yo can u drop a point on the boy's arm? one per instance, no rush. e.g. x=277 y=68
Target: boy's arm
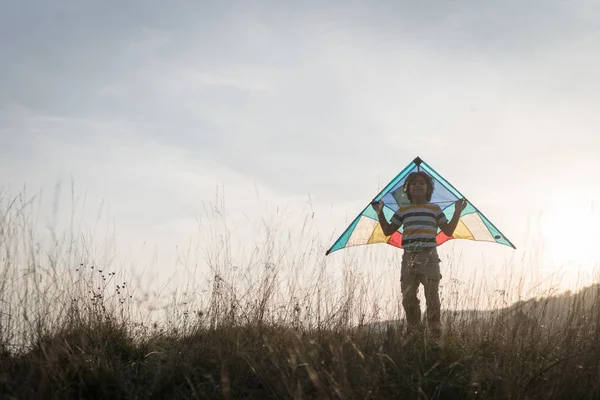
x=387 y=227
x=449 y=227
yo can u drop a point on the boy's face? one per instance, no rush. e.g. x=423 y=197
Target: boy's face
x=418 y=187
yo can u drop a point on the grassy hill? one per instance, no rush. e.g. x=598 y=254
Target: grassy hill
x=67 y=331
x=542 y=348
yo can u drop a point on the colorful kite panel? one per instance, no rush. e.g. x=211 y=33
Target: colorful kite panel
x=365 y=229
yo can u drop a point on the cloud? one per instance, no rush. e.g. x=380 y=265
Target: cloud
x=141 y=100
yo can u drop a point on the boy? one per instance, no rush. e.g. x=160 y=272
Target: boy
x=420 y=261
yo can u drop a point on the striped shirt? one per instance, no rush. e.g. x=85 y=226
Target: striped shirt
x=421 y=222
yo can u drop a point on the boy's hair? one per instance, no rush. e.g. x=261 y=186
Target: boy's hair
x=411 y=178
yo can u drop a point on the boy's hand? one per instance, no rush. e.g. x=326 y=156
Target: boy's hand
x=460 y=205
x=378 y=206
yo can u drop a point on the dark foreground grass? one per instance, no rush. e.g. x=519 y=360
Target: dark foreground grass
x=67 y=331
x=497 y=357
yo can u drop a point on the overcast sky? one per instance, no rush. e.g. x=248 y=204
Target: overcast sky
x=150 y=106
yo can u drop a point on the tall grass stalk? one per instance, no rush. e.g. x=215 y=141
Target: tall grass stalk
x=268 y=319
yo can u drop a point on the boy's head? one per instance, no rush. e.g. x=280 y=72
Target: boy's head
x=418 y=183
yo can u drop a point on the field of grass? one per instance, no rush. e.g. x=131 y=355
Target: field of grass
x=70 y=328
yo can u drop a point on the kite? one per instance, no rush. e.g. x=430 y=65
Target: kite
x=365 y=229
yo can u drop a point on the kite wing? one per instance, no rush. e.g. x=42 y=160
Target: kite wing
x=365 y=229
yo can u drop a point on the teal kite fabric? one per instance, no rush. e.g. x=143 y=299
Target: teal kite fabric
x=365 y=228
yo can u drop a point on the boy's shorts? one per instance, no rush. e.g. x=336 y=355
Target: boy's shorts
x=422 y=264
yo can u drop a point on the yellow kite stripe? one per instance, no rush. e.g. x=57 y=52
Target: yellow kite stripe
x=378 y=236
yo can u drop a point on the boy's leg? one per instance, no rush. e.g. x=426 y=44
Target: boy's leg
x=432 y=298
x=409 y=286
x=431 y=284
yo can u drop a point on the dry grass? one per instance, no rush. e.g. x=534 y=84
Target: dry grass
x=69 y=329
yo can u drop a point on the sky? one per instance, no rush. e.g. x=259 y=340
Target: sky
x=154 y=114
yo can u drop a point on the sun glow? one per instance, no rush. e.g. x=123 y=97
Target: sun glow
x=570 y=234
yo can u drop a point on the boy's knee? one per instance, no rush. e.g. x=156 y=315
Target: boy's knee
x=410 y=300
x=409 y=285
x=432 y=294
